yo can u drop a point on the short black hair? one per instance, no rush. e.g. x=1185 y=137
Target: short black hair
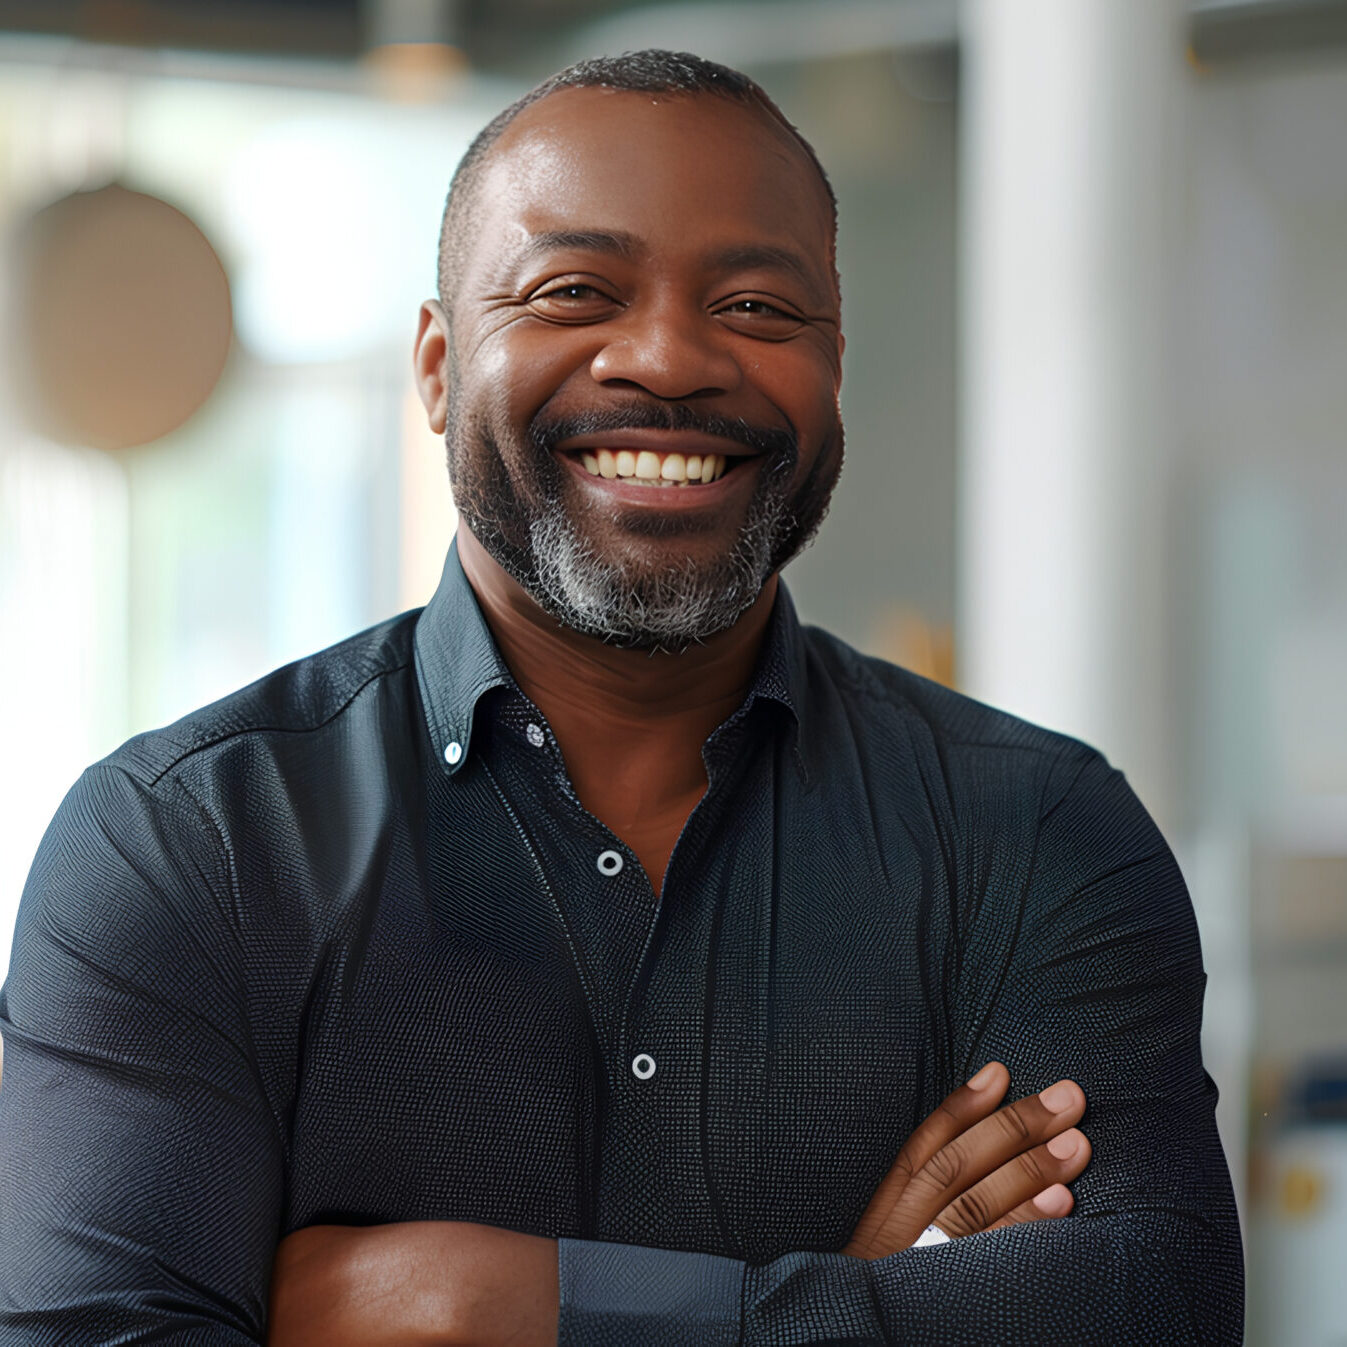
x=650 y=71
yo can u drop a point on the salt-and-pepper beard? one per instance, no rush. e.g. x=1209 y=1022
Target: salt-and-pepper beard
x=537 y=543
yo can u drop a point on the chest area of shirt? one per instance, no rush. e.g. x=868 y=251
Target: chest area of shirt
x=543 y=1041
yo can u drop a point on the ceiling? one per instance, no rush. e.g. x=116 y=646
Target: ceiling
x=527 y=37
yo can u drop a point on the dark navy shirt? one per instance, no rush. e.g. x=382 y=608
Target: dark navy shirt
x=346 y=947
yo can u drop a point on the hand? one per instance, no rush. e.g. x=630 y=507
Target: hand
x=448 y=1283
x=972 y=1167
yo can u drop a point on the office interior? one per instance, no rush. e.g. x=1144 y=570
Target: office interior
x=1094 y=271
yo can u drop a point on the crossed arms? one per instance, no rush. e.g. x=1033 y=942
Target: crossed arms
x=969 y=1167
x=1099 y=980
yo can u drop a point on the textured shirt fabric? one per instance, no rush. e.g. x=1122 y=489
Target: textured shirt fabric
x=345 y=947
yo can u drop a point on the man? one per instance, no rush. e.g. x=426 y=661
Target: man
x=580 y=957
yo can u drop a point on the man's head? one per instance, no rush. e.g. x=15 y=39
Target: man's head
x=637 y=272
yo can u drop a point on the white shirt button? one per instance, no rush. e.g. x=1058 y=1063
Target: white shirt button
x=610 y=863
x=534 y=734
x=643 y=1066
x=452 y=752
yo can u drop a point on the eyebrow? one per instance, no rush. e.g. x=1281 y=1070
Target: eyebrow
x=740 y=257
x=769 y=257
x=580 y=240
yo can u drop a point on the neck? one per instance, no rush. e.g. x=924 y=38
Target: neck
x=559 y=669
x=630 y=724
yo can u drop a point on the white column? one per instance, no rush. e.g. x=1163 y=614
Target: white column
x=1071 y=114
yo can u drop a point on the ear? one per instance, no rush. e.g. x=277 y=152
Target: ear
x=430 y=365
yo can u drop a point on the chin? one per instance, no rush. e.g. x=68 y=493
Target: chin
x=640 y=606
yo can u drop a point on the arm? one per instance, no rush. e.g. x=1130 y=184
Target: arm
x=970 y=1166
x=1099 y=972
x=140 y=1166
x=1097 y=977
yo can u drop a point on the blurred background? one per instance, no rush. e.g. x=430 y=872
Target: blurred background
x=1094 y=265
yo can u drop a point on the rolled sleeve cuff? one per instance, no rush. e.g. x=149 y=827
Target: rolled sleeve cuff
x=613 y=1295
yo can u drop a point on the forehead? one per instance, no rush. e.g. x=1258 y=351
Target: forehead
x=676 y=171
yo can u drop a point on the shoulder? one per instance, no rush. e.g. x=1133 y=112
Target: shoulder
x=967 y=737
x=143 y=842
x=300 y=698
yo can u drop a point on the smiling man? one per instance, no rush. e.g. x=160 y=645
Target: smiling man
x=597 y=955
x=646 y=348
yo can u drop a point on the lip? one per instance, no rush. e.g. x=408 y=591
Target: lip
x=616 y=490
x=684 y=442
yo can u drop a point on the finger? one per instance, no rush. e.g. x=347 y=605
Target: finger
x=1018 y=1183
x=955 y=1114
x=1048 y=1205
x=987 y=1145
x=957 y=1111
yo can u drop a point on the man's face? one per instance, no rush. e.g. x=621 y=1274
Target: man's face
x=648 y=298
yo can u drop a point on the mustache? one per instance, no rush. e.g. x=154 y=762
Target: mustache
x=546 y=432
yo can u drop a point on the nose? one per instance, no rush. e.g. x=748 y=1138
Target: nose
x=668 y=350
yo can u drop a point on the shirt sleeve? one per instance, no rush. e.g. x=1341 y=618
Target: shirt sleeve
x=140 y=1165
x=1093 y=972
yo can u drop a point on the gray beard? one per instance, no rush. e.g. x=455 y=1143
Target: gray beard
x=666 y=610
x=615 y=598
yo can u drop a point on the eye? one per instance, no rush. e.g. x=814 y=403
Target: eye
x=755 y=306
x=571 y=301
x=759 y=317
x=576 y=292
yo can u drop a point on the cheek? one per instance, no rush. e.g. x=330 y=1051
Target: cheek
x=799 y=378
x=821 y=436
x=524 y=367
x=493 y=388
x=809 y=399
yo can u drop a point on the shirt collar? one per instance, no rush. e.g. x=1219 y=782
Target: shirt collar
x=457 y=663
x=782 y=673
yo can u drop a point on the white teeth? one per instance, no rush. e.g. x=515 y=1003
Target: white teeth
x=651 y=469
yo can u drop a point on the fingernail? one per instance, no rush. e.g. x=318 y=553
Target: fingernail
x=1054 y=1201
x=984 y=1077
x=1065 y=1145
x=1058 y=1098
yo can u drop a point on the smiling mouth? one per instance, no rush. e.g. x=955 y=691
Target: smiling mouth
x=647 y=467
